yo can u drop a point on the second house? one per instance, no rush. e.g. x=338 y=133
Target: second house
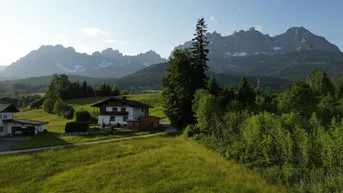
x=120 y=111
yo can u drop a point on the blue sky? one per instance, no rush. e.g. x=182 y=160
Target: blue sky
x=135 y=26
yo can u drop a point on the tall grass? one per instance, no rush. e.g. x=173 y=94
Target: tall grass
x=158 y=164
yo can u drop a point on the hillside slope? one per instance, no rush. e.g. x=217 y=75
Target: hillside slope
x=158 y=164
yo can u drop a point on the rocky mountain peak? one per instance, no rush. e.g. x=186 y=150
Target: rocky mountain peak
x=252 y=41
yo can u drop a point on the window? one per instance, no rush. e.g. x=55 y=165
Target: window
x=124 y=118
x=0 y=116
x=112 y=118
x=123 y=109
x=142 y=110
x=114 y=109
x=5 y=116
x=1 y=129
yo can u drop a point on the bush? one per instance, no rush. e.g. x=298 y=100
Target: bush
x=48 y=105
x=69 y=112
x=36 y=104
x=82 y=116
x=59 y=107
x=190 y=131
x=62 y=109
x=93 y=121
x=72 y=127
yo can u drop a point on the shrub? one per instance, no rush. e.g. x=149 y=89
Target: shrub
x=69 y=112
x=82 y=116
x=48 y=105
x=190 y=131
x=36 y=104
x=72 y=127
x=59 y=107
x=93 y=121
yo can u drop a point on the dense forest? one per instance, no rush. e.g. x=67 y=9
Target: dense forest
x=293 y=137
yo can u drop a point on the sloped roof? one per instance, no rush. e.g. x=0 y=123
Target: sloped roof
x=130 y=103
x=25 y=121
x=5 y=108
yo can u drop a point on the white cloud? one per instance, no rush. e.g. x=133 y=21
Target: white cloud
x=258 y=27
x=212 y=18
x=94 y=32
x=111 y=41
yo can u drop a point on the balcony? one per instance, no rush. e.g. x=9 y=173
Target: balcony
x=115 y=113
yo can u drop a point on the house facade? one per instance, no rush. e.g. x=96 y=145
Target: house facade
x=120 y=110
x=10 y=126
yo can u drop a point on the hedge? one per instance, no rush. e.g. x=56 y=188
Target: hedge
x=72 y=127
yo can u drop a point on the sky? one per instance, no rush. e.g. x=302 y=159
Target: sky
x=137 y=26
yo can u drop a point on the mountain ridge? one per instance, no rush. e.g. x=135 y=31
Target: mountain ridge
x=50 y=59
x=224 y=51
x=252 y=42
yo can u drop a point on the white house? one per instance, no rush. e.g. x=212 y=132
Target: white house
x=10 y=126
x=120 y=110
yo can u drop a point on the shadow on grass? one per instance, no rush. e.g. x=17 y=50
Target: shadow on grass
x=41 y=140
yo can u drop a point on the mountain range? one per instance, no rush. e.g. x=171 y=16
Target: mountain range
x=252 y=42
x=58 y=59
x=290 y=55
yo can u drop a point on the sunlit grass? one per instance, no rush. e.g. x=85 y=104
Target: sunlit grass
x=157 y=164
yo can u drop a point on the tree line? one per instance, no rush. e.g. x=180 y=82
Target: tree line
x=61 y=89
x=293 y=137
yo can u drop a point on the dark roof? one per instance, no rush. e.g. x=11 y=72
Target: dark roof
x=130 y=103
x=24 y=121
x=8 y=108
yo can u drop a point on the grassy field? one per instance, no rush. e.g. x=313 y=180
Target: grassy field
x=56 y=123
x=156 y=164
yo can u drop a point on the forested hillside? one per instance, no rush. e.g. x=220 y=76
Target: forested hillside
x=292 y=137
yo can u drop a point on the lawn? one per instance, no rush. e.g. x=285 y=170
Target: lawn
x=156 y=164
x=56 y=123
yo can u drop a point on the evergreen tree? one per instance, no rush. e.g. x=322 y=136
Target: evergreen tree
x=116 y=90
x=177 y=89
x=246 y=95
x=199 y=55
x=213 y=87
x=226 y=96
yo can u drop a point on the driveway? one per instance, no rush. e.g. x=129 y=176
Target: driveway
x=7 y=142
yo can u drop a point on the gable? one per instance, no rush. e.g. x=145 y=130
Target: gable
x=8 y=108
x=121 y=102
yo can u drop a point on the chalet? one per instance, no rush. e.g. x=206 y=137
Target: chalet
x=122 y=111
x=10 y=126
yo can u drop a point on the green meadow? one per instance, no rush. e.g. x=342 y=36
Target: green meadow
x=155 y=164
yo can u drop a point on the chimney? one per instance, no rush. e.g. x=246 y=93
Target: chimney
x=124 y=97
